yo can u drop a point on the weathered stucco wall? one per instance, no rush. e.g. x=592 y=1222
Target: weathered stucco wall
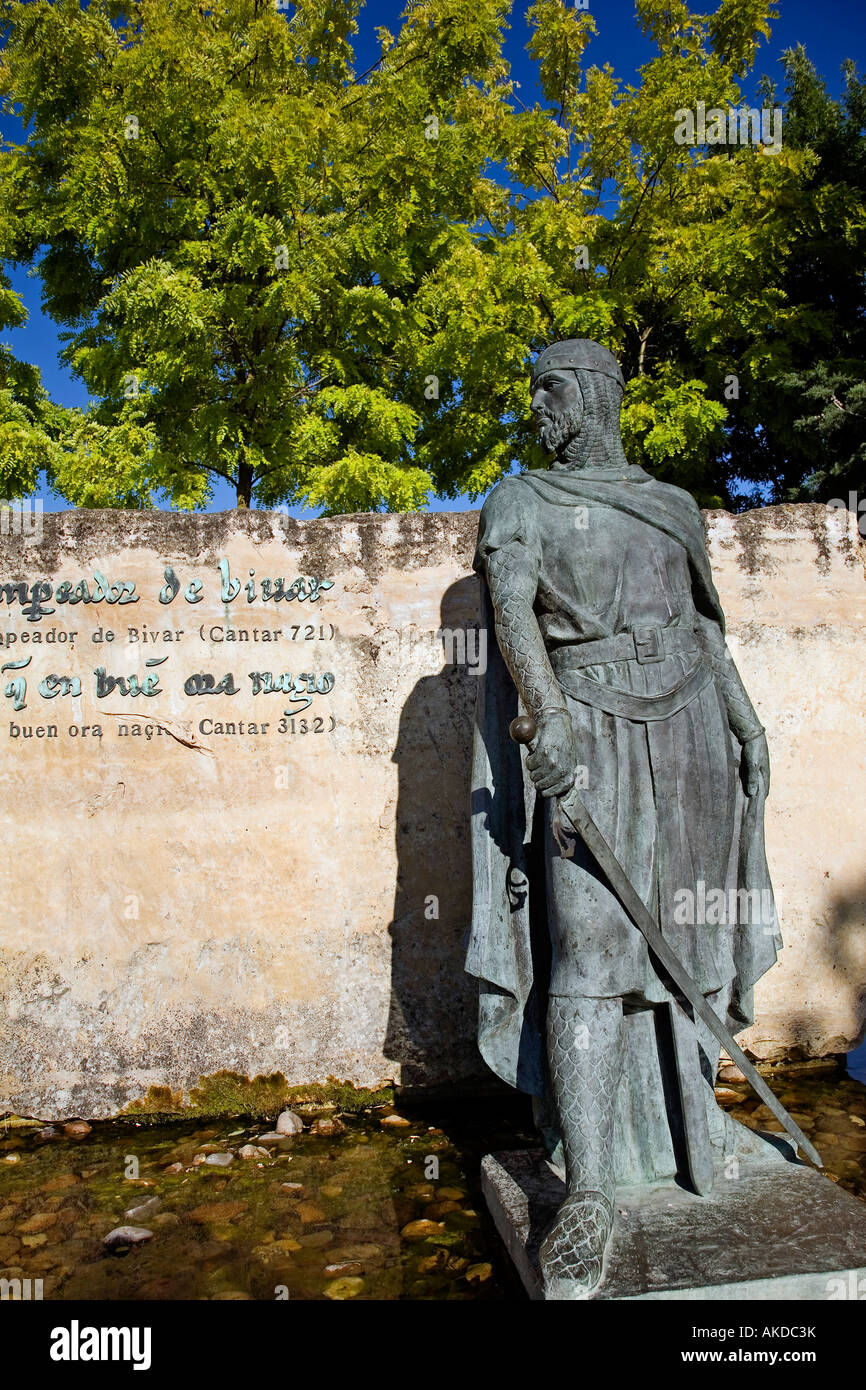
x=285 y=901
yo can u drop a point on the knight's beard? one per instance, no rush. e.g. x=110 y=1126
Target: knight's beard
x=555 y=431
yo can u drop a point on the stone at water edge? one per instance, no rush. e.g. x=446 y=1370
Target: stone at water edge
x=394 y=1122
x=252 y=1151
x=126 y=1235
x=174 y=1168
x=728 y=1072
x=219 y=1160
x=727 y=1095
x=77 y=1129
x=288 y=1123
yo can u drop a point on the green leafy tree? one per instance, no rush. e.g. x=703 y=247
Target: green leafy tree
x=29 y=423
x=235 y=229
x=324 y=285
x=673 y=254
x=804 y=435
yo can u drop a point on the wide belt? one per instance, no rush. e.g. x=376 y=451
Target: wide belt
x=640 y=708
x=644 y=645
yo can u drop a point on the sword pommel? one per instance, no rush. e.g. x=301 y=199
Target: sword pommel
x=523 y=729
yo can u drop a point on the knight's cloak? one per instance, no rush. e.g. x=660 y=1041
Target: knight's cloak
x=507 y=949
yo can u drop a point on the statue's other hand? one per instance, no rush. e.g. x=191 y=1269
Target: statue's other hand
x=755 y=765
x=552 y=763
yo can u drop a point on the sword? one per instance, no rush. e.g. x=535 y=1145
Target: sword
x=523 y=730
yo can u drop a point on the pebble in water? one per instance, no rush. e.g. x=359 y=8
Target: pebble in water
x=39 y=1222
x=143 y=1210
x=341 y=1289
x=443 y=1262
x=436 y=1210
x=310 y=1213
x=420 y=1230
x=165 y=1218
x=59 y=1183
x=366 y=1252
x=126 y=1235
x=217 y=1211
x=328 y=1128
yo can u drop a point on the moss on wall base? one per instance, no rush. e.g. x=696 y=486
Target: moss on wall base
x=229 y=1093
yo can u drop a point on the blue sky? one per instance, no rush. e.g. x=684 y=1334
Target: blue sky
x=830 y=32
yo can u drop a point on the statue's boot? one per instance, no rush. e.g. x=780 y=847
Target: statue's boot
x=585 y=1049
x=571 y=1257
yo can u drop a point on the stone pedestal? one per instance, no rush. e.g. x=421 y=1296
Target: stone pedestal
x=781 y=1231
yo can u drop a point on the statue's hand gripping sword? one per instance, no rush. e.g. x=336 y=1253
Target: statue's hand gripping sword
x=523 y=730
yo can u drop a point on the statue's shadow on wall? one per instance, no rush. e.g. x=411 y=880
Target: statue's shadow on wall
x=431 y=1030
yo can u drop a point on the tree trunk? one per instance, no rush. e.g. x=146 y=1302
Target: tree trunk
x=244 y=486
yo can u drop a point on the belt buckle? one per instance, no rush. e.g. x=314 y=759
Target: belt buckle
x=648 y=645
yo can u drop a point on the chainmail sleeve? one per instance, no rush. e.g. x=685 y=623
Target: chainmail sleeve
x=509 y=557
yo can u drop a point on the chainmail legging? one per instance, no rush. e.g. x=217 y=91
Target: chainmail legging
x=585 y=1055
x=584 y=1049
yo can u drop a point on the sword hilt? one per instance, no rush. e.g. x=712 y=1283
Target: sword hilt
x=523 y=729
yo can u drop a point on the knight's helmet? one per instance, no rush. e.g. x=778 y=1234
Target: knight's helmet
x=578 y=354
x=598 y=372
